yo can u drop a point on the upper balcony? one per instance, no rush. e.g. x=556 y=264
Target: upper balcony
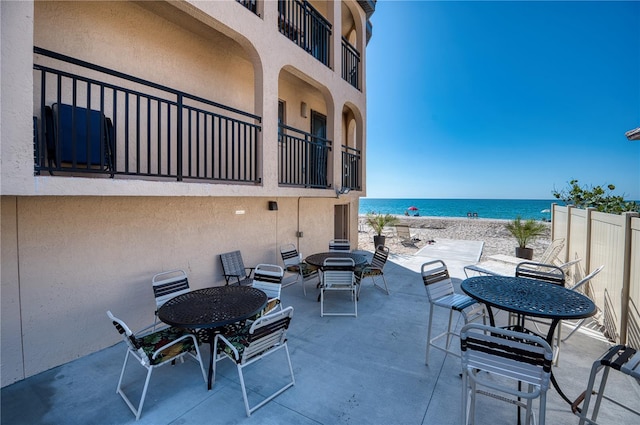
x=94 y=121
x=97 y=121
x=301 y=23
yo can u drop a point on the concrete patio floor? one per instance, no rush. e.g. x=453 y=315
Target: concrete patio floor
x=365 y=370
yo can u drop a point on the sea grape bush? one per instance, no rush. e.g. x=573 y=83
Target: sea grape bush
x=602 y=199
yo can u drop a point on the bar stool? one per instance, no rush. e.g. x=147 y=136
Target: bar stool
x=621 y=358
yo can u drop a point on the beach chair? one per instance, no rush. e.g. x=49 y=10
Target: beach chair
x=550 y=255
x=404 y=233
x=583 y=286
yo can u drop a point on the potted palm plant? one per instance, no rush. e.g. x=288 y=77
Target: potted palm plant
x=525 y=231
x=378 y=222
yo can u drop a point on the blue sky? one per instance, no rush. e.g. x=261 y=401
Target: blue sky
x=506 y=100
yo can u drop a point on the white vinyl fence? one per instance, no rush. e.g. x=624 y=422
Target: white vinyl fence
x=613 y=241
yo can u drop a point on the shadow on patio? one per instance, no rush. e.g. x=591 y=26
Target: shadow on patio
x=364 y=370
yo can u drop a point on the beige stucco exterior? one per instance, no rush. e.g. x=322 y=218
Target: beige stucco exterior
x=74 y=247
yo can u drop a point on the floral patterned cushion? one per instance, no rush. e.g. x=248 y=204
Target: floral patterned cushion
x=304 y=268
x=371 y=271
x=150 y=343
x=239 y=339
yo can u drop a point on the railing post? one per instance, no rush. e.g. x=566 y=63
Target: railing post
x=179 y=141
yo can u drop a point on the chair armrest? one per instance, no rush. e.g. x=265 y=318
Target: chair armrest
x=174 y=342
x=228 y=344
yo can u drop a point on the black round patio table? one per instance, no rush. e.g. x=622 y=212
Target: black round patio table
x=530 y=297
x=212 y=308
x=318 y=259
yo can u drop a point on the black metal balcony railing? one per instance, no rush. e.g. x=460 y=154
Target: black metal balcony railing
x=302 y=158
x=351 y=168
x=249 y=4
x=136 y=128
x=350 y=64
x=304 y=25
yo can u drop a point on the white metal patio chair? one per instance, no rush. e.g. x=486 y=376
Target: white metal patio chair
x=624 y=359
x=293 y=263
x=338 y=276
x=441 y=293
x=167 y=285
x=177 y=343
x=375 y=269
x=254 y=342
x=548 y=273
x=494 y=360
x=268 y=278
x=339 y=245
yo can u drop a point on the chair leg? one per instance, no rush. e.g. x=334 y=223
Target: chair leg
x=576 y=327
x=291 y=383
x=465 y=398
x=542 y=413
x=599 y=394
x=429 y=332
x=119 y=390
x=386 y=288
x=244 y=390
x=449 y=329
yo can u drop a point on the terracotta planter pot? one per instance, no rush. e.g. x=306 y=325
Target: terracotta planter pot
x=525 y=253
x=378 y=240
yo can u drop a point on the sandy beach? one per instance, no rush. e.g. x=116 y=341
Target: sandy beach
x=496 y=238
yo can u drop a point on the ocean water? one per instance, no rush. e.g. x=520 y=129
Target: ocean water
x=506 y=209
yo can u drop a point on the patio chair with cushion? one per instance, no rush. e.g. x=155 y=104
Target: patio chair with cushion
x=293 y=263
x=338 y=276
x=254 y=342
x=441 y=293
x=374 y=269
x=233 y=268
x=153 y=350
x=167 y=285
x=339 y=245
x=495 y=360
x=268 y=278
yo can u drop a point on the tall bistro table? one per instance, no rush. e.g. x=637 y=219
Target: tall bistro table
x=529 y=297
x=212 y=308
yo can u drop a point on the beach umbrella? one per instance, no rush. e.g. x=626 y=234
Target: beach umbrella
x=412 y=208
